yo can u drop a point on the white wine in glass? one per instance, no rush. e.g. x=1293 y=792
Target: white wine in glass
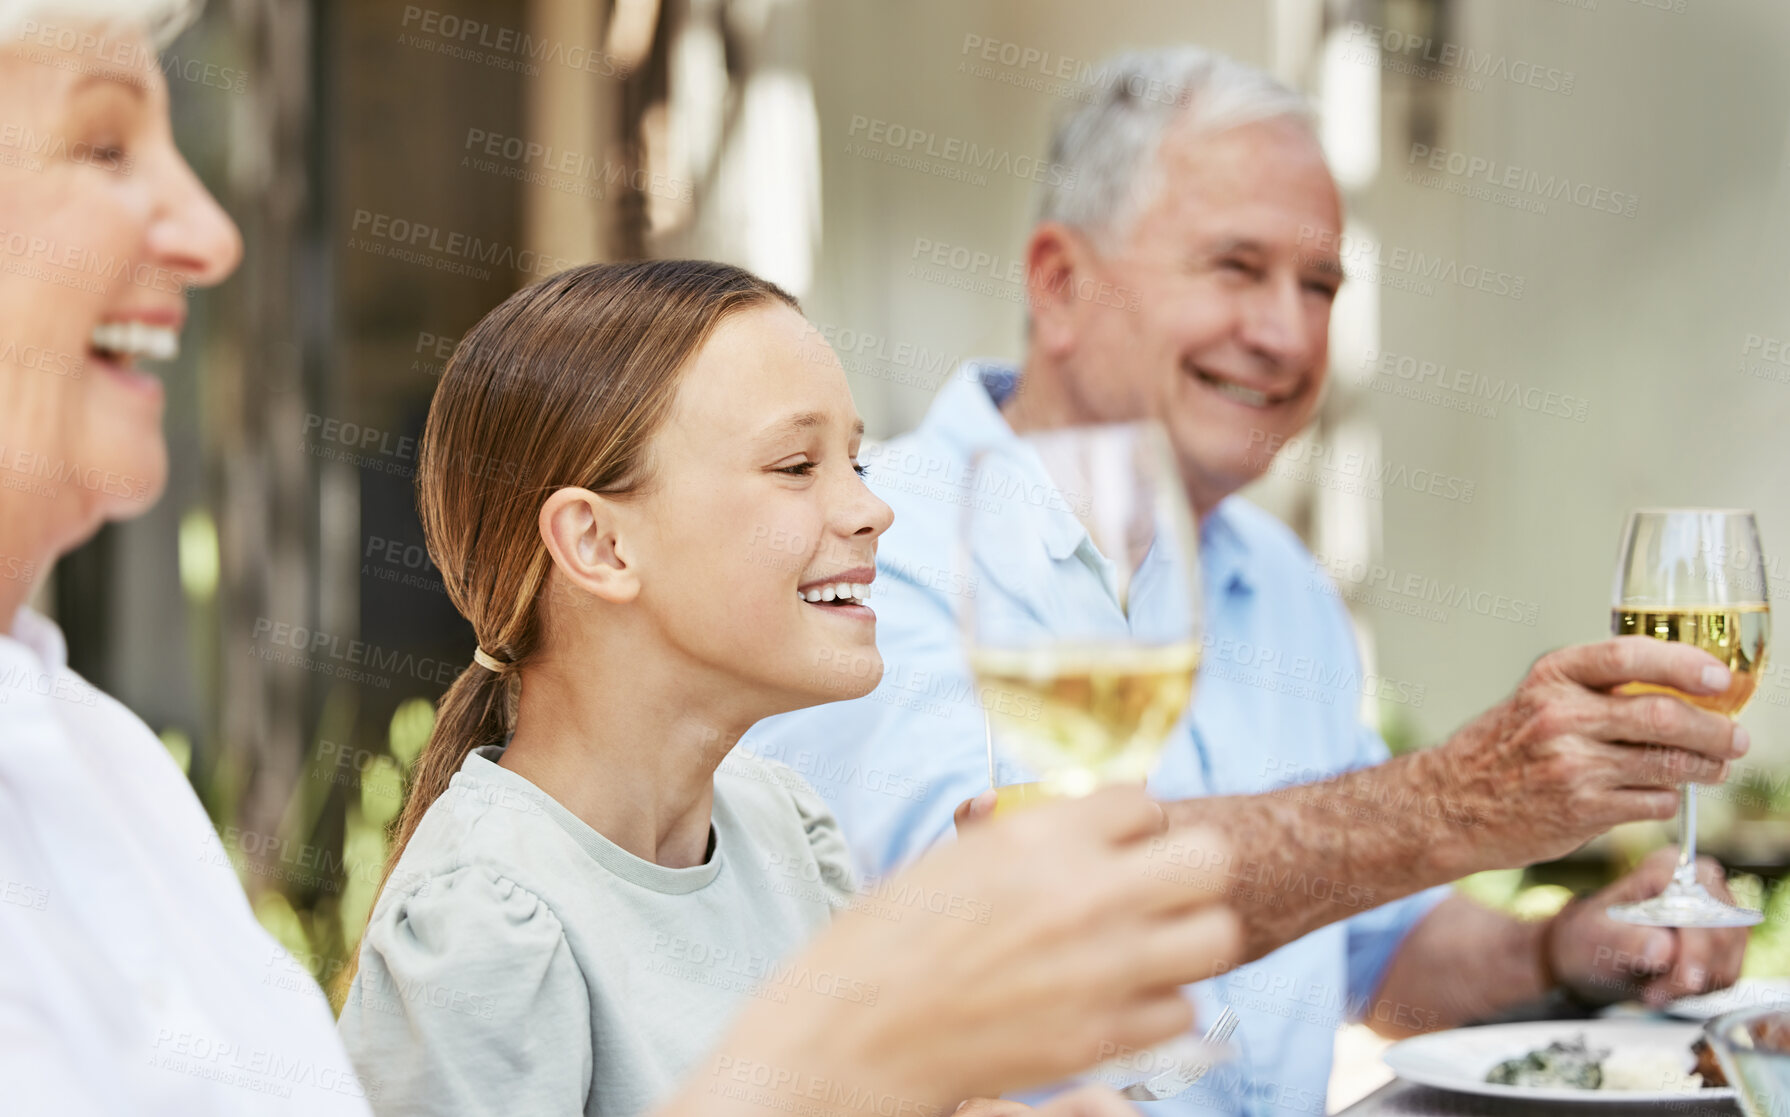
x=1694 y=576
x=1092 y=698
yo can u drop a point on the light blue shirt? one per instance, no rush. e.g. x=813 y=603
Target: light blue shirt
x=1277 y=703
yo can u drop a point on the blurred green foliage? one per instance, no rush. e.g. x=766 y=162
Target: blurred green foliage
x=318 y=915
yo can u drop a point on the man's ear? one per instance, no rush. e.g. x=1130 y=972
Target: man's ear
x=583 y=535
x=1058 y=258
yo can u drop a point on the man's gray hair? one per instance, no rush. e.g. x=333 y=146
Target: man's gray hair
x=1105 y=150
x=158 y=21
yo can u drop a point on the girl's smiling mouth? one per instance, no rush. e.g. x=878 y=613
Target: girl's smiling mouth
x=844 y=592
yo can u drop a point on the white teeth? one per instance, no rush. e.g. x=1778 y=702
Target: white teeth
x=836 y=591
x=1247 y=396
x=136 y=339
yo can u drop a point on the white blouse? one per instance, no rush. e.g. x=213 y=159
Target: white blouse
x=134 y=977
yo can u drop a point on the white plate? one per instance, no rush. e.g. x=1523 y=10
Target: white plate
x=1754 y=992
x=1459 y=1059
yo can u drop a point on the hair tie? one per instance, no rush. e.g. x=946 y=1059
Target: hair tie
x=488 y=662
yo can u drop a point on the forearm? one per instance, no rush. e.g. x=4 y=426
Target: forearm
x=1312 y=854
x=1462 y=963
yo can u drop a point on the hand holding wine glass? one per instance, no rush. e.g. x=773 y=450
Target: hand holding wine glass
x=1694 y=576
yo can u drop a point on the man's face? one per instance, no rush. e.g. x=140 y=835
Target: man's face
x=1219 y=318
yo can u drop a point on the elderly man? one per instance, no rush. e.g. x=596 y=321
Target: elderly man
x=1213 y=212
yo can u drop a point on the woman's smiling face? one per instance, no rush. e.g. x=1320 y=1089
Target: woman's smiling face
x=757 y=505
x=105 y=229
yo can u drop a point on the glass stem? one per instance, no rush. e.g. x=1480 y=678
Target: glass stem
x=1685 y=875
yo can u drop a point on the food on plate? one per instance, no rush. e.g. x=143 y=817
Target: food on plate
x=1574 y=1064
x=1561 y=1063
x=1708 y=1069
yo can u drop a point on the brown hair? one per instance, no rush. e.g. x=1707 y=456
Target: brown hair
x=565 y=383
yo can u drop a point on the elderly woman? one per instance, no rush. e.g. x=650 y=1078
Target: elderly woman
x=136 y=979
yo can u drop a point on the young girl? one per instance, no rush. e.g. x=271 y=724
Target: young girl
x=640 y=484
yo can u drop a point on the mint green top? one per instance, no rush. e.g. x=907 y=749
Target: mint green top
x=519 y=962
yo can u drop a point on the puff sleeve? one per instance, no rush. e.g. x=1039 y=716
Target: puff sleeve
x=825 y=840
x=468 y=1001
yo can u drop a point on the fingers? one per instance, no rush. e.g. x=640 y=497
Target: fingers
x=1192 y=948
x=1641 y=659
x=1148 y=1021
x=1656 y=766
x=1170 y=874
x=1088 y=1101
x=1639 y=806
x=1624 y=955
x=974 y=810
x=1663 y=719
x=1118 y=813
x=1707 y=959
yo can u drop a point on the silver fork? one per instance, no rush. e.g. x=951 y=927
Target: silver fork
x=1174 y=1080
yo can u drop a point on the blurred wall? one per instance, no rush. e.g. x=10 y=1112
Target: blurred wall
x=1643 y=319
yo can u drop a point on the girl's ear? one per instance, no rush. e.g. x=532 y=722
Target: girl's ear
x=581 y=530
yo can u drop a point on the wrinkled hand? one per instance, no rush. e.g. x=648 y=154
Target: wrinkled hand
x=1564 y=759
x=1602 y=960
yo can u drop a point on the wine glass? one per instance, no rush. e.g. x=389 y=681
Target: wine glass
x=1695 y=576
x=1082 y=678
